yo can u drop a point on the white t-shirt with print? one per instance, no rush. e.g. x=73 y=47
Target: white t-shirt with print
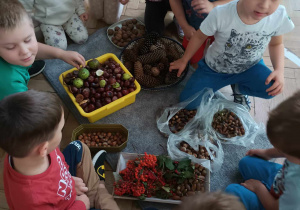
x=238 y=46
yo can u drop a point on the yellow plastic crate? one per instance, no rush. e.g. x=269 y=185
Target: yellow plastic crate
x=109 y=108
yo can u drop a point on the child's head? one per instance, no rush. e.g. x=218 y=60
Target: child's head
x=283 y=126
x=257 y=9
x=211 y=201
x=29 y=120
x=18 y=44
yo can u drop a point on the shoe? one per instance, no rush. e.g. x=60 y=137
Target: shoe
x=98 y=162
x=36 y=68
x=240 y=98
x=179 y=29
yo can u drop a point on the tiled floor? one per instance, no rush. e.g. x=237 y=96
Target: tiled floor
x=260 y=107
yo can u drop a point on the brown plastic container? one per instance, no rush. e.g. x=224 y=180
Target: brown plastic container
x=88 y=128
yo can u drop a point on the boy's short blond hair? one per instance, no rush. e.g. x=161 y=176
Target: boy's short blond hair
x=12 y=13
x=283 y=126
x=211 y=201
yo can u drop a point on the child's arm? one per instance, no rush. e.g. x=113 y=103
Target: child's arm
x=263 y=194
x=80 y=10
x=179 y=13
x=71 y=57
x=195 y=43
x=266 y=154
x=276 y=51
x=205 y=6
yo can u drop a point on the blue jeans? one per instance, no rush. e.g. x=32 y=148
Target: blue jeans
x=254 y=168
x=250 y=82
x=73 y=156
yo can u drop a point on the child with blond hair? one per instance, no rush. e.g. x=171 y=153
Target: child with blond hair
x=19 y=48
x=242 y=29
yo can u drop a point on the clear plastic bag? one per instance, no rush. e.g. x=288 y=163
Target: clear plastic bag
x=252 y=129
x=169 y=112
x=214 y=149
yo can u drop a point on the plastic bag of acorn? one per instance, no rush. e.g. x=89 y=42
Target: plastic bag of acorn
x=201 y=153
x=227 y=123
x=180 y=119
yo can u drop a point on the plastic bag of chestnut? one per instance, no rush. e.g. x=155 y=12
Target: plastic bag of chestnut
x=200 y=148
x=177 y=120
x=231 y=123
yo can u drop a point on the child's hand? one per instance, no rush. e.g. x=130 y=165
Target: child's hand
x=73 y=58
x=84 y=17
x=179 y=64
x=124 y=1
x=79 y=186
x=252 y=184
x=202 y=6
x=277 y=87
x=259 y=153
x=84 y=199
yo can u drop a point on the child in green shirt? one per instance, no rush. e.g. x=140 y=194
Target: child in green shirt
x=19 y=48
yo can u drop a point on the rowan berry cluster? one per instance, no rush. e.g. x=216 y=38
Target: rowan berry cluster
x=140 y=177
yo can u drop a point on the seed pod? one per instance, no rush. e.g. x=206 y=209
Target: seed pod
x=198 y=188
x=176 y=197
x=190 y=193
x=194 y=187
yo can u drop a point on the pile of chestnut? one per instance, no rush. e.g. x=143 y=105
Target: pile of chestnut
x=99 y=84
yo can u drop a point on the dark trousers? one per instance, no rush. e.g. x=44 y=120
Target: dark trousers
x=155 y=13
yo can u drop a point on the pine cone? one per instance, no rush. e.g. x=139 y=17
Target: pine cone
x=157 y=46
x=161 y=66
x=130 y=55
x=147 y=69
x=171 y=77
x=174 y=52
x=150 y=39
x=138 y=69
x=152 y=57
x=129 y=65
x=155 y=71
x=148 y=81
x=138 y=45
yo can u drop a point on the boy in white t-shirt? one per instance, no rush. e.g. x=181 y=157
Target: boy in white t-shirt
x=242 y=29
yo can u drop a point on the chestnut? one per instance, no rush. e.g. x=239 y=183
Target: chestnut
x=108 y=100
x=97 y=95
x=109 y=94
x=124 y=92
x=98 y=104
x=91 y=107
x=91 y=79
x=93 y=100
x=112 y=80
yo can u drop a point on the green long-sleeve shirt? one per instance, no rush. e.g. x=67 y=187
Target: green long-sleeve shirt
x=13 y=78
